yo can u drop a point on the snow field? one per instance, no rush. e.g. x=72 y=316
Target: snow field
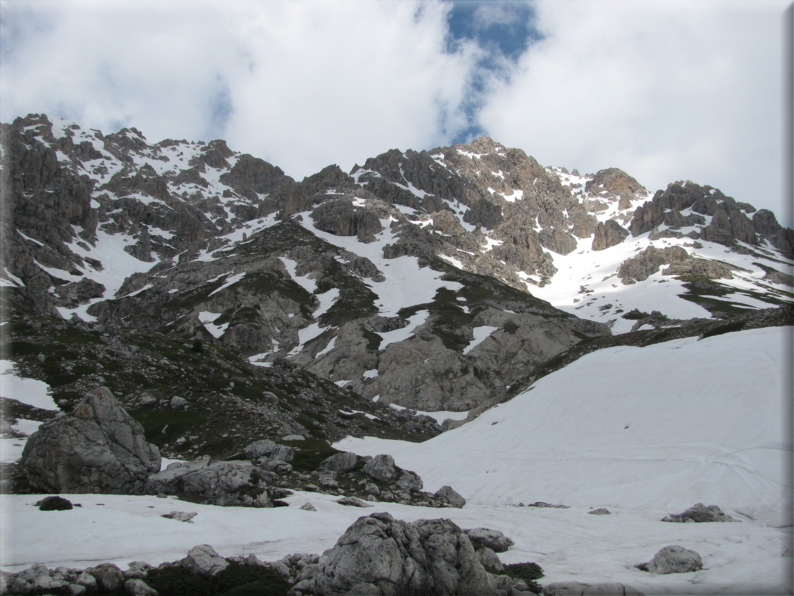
x=660 y=427
x=569 y=544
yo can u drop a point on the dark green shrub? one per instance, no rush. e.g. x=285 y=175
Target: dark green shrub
x=235 y=580
x=241 y=579
x=527 y=572
x=197 y=346
x=179 y=581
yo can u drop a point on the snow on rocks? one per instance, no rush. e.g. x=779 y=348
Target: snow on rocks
x=673 y=559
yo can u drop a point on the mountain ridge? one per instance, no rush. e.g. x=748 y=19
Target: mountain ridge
x=433 y=280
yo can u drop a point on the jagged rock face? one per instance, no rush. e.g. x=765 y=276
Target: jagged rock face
x=381 y=555
x=99 y=448
x=615 y=182
x=609 y=234
x=646 y=263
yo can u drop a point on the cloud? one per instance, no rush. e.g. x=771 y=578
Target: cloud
x=663 y=90
x=302 y=84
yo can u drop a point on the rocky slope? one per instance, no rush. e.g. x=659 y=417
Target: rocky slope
x=437 y=280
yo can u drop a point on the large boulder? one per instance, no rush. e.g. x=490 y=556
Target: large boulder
x=584 y=589
x=381 y=468
x=700 y=513
x=99 y=448
x=493 y=539
x=451 y=495
x=673 y=559
x=220 y=483
x=340 y=462
x=379 y=555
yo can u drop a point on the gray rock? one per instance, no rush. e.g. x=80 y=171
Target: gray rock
x=138 y=587
x=293 y=438
x=600 y=511
x=372 y=488
x=259 y=449
x=137 y=570
x=88 y=581
x=410 y=481
x=493 y=539
x=203 y=560
x=340 y=462
x=451 y=496
x=308 y=507
x=700 y=513
x=108 y=577
x=673 y=559
x=381 y=555
x=183 y=516
x=220 y=483
x=583 y=589
x=353 y=501
x=380 y=467
x=489 y=559
x=178 y=403
x=99 y=448
x=74 y=590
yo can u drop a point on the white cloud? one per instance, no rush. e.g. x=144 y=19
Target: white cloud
x=302 y=84
x=663 y=90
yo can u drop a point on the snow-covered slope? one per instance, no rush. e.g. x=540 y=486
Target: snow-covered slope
x=659 y=427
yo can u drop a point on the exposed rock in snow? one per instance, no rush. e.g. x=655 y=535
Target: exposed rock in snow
x=98 y=448
x=700 y=513
x=673 y=559
x=381 y=555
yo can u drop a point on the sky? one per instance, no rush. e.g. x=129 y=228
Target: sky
x=664 y=90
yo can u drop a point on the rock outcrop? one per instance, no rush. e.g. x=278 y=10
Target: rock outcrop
x=673 y=559
x=584 y=589
x=220 y=483
x=700 y=513
x=379 y=555
x=98 y=448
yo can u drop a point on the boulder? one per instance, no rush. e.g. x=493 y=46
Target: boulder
x=183 y=516
x=220 y=483
x=259 y=449
x=138 y=587
x=380 y=467
x=700 y=513
x=340 y=462
x=108 y=577
x=178 y=403
x=99 y=448
x=673 y=559
x=493 y=539
x=410 y=481
x=600 y=511
x=203 y=560
x=380 y=555
x=451 y=496
x=353 y=501
x=489 y=559
x=582 y=589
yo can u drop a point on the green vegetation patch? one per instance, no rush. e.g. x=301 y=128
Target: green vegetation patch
x=310 y=454
x=165 y=426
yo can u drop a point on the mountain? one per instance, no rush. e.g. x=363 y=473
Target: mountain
x=440 y=281
x=519 y=332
